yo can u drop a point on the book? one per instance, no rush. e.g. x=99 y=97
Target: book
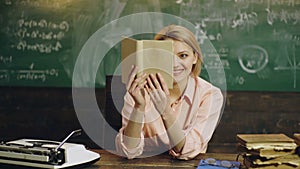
x=268 y=151
x=150 y=56
x=297 y=138
x=250 y=164
x=264 y=152
x=266 y=141
x=291 y=160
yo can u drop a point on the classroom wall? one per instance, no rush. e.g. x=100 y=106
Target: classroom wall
x=48 y=113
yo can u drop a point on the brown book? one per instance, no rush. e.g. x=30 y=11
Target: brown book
x=266 y=141
x=292 y=160
x=297 y=138
x=151 y=56
x=263 y=152
x=248 y=165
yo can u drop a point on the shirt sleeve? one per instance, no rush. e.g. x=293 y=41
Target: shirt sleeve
x=200 y=131
x=124 y=151
x=119 y=140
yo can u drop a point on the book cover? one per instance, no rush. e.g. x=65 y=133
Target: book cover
x=151 y=56
x=268 y=141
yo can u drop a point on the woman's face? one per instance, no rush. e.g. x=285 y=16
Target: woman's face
x=183 y=61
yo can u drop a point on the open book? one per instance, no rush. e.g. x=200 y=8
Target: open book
x=150 y=56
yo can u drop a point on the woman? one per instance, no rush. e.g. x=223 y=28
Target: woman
x=181 y=120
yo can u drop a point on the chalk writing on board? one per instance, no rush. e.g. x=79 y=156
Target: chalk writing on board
x=253 y=58
x=6 y=59
x=30 y=74
x=43 y=23
x=37 y=34
x=214 y=63
x=34 y=3
x=201 y=34
x=223 y=51
x=284 y=36
x=240 y=80
x=4 y=75
x=39 y=47
x=36 y=74
x=238 y=17
x=284 y=16
x=287 y=60
x=245 y=20
x=290 y=64
x=41 y=35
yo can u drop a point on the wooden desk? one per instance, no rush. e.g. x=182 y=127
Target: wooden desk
x=163 y=161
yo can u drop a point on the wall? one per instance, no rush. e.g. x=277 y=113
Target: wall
x=48 y=113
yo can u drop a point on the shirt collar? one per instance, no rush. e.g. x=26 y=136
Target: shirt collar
x=190 y=89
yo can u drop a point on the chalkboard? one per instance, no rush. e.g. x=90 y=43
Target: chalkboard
x=257 y=41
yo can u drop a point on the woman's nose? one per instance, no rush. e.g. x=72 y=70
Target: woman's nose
x=176 y=60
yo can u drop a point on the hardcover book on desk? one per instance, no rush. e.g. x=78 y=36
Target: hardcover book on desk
x=150 y=56
x=256 y=141
x=268 y=151
x=297 y=138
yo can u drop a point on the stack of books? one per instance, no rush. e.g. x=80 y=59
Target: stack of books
x=297 y=138
x=297 y=141
x=268 y=151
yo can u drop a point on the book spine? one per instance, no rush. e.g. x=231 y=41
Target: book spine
x=139 y=57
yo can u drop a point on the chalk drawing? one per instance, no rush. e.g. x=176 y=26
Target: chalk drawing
x=253 y=58
x=292 y=64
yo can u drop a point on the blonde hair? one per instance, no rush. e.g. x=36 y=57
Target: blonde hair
x=182 y=34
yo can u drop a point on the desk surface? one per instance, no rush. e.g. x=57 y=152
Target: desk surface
x=163 y=161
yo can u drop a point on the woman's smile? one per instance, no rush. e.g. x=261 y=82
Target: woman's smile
x=177 y=72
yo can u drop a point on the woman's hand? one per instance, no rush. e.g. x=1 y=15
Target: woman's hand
x=159 y=92
x=136 y=88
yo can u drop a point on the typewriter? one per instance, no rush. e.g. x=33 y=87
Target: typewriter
x=45 y=153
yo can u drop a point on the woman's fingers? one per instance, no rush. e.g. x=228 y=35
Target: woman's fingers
x=141 y=81
x=155 y=81
x=138 y=83
x=163 y=84
x=154 y=84
x=132 y=76
x=135 y=80
x=153 y=93
x=150 y=83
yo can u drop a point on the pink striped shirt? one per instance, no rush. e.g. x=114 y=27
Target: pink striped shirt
x=198 y=111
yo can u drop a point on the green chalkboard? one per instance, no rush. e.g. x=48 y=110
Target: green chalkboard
x=257 y=41
x=40 y=40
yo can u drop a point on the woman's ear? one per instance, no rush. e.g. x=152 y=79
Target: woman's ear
x=195 y=58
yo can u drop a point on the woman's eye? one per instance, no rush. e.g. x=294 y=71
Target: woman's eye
x=183 y=55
